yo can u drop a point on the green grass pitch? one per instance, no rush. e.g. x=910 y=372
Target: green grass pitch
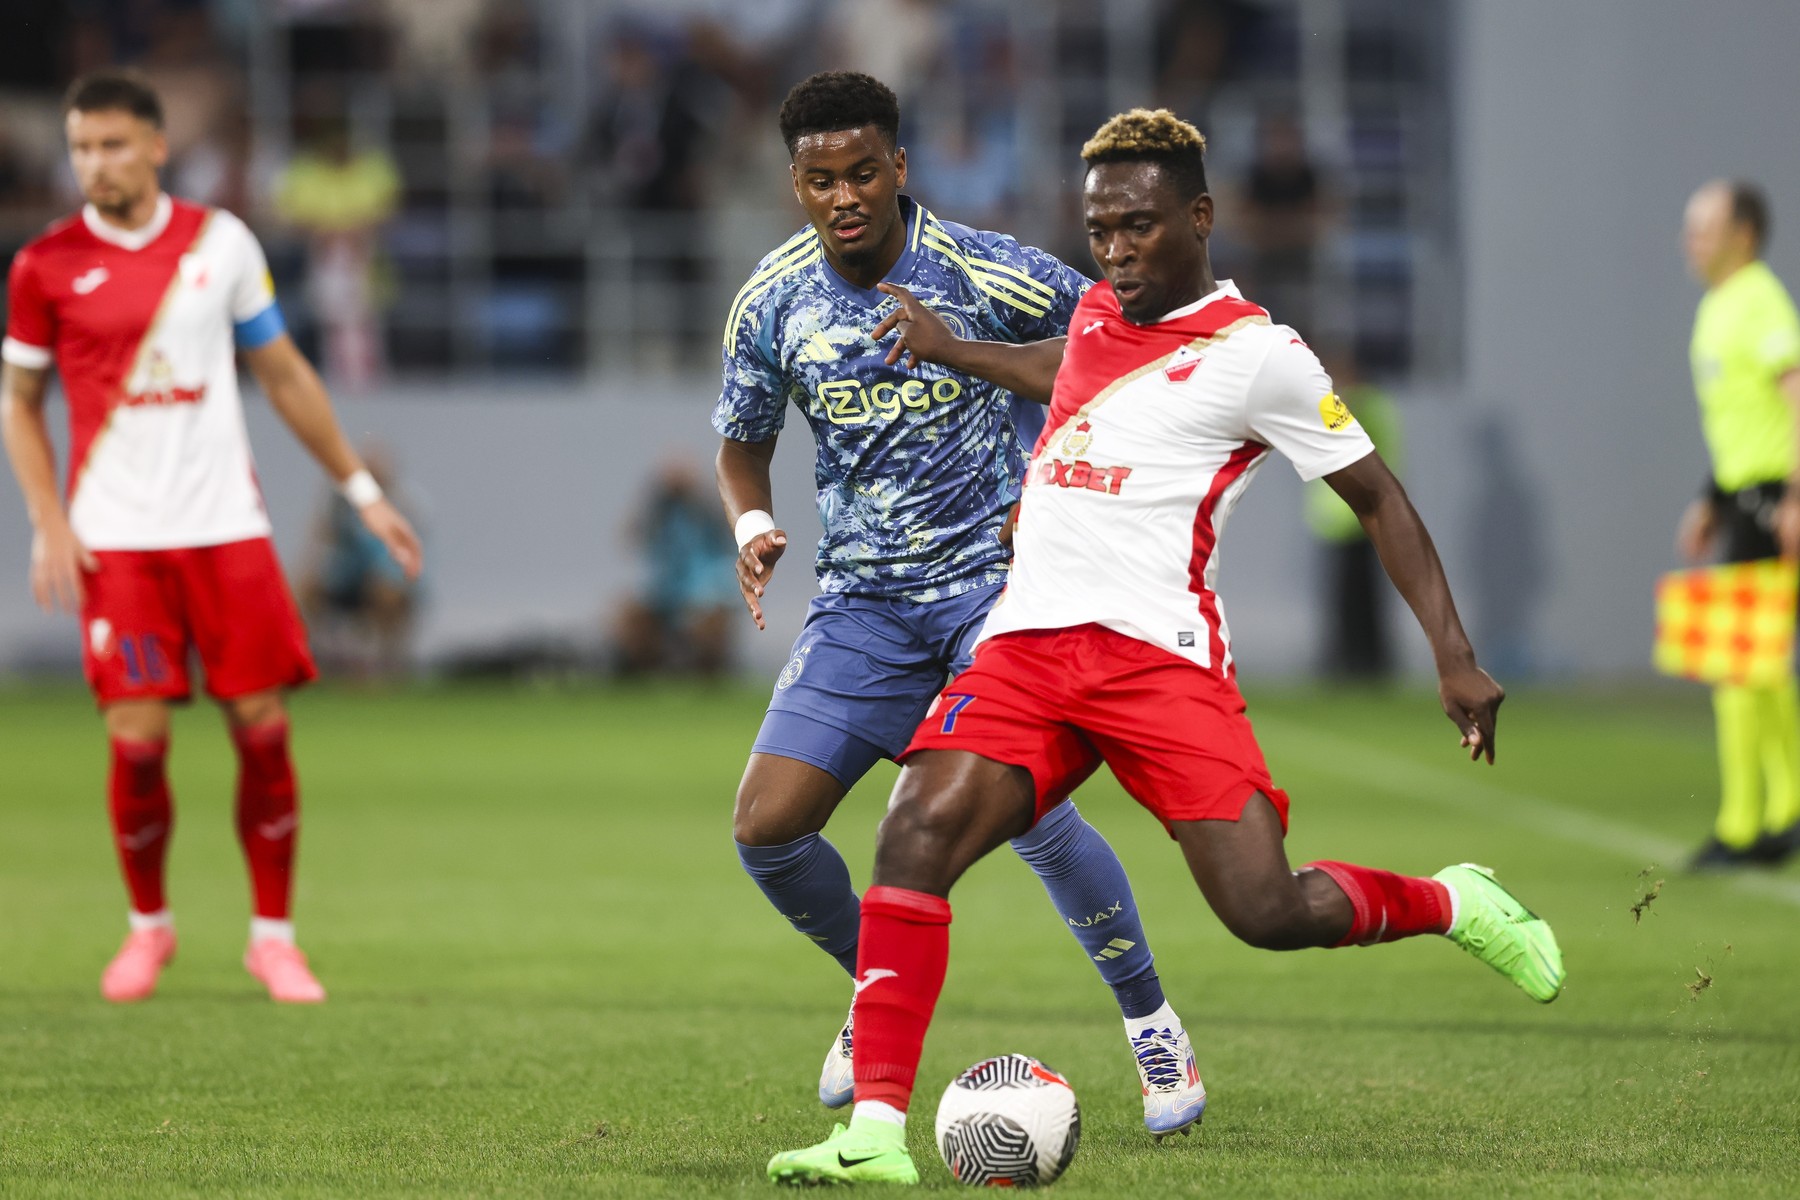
x=549 y=977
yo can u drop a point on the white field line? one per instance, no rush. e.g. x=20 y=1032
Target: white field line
x=1463 y=791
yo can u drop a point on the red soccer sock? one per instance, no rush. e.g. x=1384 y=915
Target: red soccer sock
x=1388 y=906
x=902 y=953
x=142 y=818
x=268 y=814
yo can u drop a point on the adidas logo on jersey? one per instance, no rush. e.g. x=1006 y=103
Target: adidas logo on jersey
x=818 y=349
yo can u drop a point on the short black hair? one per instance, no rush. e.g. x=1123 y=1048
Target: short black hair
x=1153 y=136
x=1750 y=208
x=103 y=91
x=835 y=100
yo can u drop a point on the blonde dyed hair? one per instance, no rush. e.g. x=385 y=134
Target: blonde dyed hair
x=1144 y=133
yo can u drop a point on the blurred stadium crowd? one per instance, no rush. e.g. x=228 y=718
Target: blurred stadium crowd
x=565 y=186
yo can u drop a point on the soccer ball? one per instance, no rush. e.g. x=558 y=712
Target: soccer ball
x=1008 y=1122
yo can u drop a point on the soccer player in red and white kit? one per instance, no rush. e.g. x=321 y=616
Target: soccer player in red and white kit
x=1110 y=643
x=138 y=301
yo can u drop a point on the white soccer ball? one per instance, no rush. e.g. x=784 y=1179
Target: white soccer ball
x=1008 y=1122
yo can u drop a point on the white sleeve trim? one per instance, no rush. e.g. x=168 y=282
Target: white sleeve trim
x=1348 y=457
x=24 y=354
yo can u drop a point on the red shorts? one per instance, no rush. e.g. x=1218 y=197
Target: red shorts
x=146 y=608
x=1058 y=702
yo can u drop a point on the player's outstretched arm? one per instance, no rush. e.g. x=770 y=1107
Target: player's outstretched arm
x=296 y=393
x=1027 y=369
x=749 y=497
x=1470 y=697
x=58 y=559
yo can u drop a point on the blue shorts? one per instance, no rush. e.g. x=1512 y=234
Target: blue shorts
x=862 y=675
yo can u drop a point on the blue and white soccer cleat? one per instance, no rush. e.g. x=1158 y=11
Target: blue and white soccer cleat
x=837 y=1080
x=1174 y=1097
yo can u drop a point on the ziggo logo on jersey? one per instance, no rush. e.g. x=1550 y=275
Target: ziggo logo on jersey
x=1080 y=474
x=848 y=402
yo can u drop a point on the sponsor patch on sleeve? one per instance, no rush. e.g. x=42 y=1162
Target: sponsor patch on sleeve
x=1335 y=413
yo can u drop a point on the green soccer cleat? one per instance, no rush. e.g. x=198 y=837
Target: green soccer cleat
x=1492 y=925
x=869 y=1151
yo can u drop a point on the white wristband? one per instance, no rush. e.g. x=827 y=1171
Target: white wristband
x=752 y=524
x=360 y=489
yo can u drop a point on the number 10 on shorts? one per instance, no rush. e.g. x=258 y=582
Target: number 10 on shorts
x=958 y=703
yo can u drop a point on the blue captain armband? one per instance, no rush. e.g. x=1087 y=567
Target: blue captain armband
x=261 y=329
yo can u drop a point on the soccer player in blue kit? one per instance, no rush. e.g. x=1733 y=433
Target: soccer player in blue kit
x=917 y=469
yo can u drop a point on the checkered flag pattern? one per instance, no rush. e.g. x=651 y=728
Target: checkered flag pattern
x=1728 y=624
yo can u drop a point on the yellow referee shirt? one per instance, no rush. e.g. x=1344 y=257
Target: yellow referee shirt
x=1746 y=337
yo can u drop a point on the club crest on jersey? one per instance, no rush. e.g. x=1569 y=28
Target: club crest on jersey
x=100 y=637
x=1183 y=364
x=959 y=325
x=1334 y=412
x=193 y=271
x=1078 y=440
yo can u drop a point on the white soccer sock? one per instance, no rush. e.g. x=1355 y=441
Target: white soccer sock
x=161 y=919
x=262 y=928
x=1162 y=1018
x=880 y=1111
x=1455 y=906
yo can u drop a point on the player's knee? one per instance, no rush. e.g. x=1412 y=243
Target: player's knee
x=261 y=708
x=773 y=810
x=138 y=721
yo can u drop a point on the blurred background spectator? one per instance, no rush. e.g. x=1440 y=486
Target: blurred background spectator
x=681 y=619
x=340 y=197
x=360 y=608
x=1285 y=215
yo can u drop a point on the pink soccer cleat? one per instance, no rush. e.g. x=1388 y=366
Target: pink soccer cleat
x=282 y=969
x=131 y=975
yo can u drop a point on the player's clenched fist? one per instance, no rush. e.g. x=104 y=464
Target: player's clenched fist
x=755 y=563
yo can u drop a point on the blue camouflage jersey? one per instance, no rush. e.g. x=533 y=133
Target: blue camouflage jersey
x=916 y=468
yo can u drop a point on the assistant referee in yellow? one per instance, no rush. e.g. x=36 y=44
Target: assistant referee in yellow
x=1746 y=361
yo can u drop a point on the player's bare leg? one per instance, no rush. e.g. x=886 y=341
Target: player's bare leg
x=1243 y=872
x=1242 y=869
x=949 y=809
x=268 y=819
x=142 y=818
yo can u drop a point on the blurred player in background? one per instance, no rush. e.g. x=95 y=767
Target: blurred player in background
x=916 y=471
x=1111 y=643
x=138 y=301
x=1746 y=361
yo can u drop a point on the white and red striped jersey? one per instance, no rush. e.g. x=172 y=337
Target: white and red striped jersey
x=1154 y=432
x=142 y=326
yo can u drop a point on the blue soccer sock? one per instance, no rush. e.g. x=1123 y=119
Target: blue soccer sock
x=1087 y=883
x=808 y=883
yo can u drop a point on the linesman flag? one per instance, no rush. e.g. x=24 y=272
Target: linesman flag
x=1732 y=623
